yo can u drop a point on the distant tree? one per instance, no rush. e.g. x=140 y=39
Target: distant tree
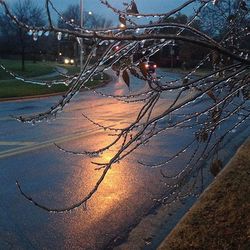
x=186 y=53
x=90 y=20
x=222 y=20
x=71 y=18
x=70 y=15
x=17 y=37
x=217 y=19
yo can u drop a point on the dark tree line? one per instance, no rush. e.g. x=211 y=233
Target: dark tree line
x=18 y=42
x=15 y=40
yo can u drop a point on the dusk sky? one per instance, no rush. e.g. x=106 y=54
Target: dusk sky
x=144 y=6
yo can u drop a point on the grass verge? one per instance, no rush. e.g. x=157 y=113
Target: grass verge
x=12 y=88
x=31 y=69
x=221 y=217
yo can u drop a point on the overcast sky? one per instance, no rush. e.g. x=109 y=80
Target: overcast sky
x=144 y=6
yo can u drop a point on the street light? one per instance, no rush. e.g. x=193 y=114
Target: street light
x=81 y=25
x=172 y=53
x=81 y=43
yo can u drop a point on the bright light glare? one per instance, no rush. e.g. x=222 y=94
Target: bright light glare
x=66 y=61
x=122 y=26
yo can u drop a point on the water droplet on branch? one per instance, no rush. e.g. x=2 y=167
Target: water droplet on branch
x=35 y=36
x=59 y=36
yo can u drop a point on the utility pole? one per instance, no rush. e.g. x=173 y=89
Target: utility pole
x=81 y=43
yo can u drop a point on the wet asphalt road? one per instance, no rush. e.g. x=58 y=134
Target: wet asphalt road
x=56 y=179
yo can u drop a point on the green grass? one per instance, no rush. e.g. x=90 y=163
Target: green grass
x=13 y=88
x=31 y=69
x=10 y=87
x=97 y=80
x=71 y=68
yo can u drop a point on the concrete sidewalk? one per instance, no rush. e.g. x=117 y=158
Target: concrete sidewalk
x=220 y=219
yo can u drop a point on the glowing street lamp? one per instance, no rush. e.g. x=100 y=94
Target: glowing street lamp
x=81 y=25
x=81 y=43
x=122 y=26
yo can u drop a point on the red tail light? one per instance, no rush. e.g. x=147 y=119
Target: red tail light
x=155 y=66
x=147 y=66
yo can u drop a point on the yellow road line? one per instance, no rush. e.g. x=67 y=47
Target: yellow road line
x=6 y=118
x=45 y=144
x=16 y=143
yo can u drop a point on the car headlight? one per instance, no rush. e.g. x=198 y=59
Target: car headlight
x=72 y=61
x=66 y=61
